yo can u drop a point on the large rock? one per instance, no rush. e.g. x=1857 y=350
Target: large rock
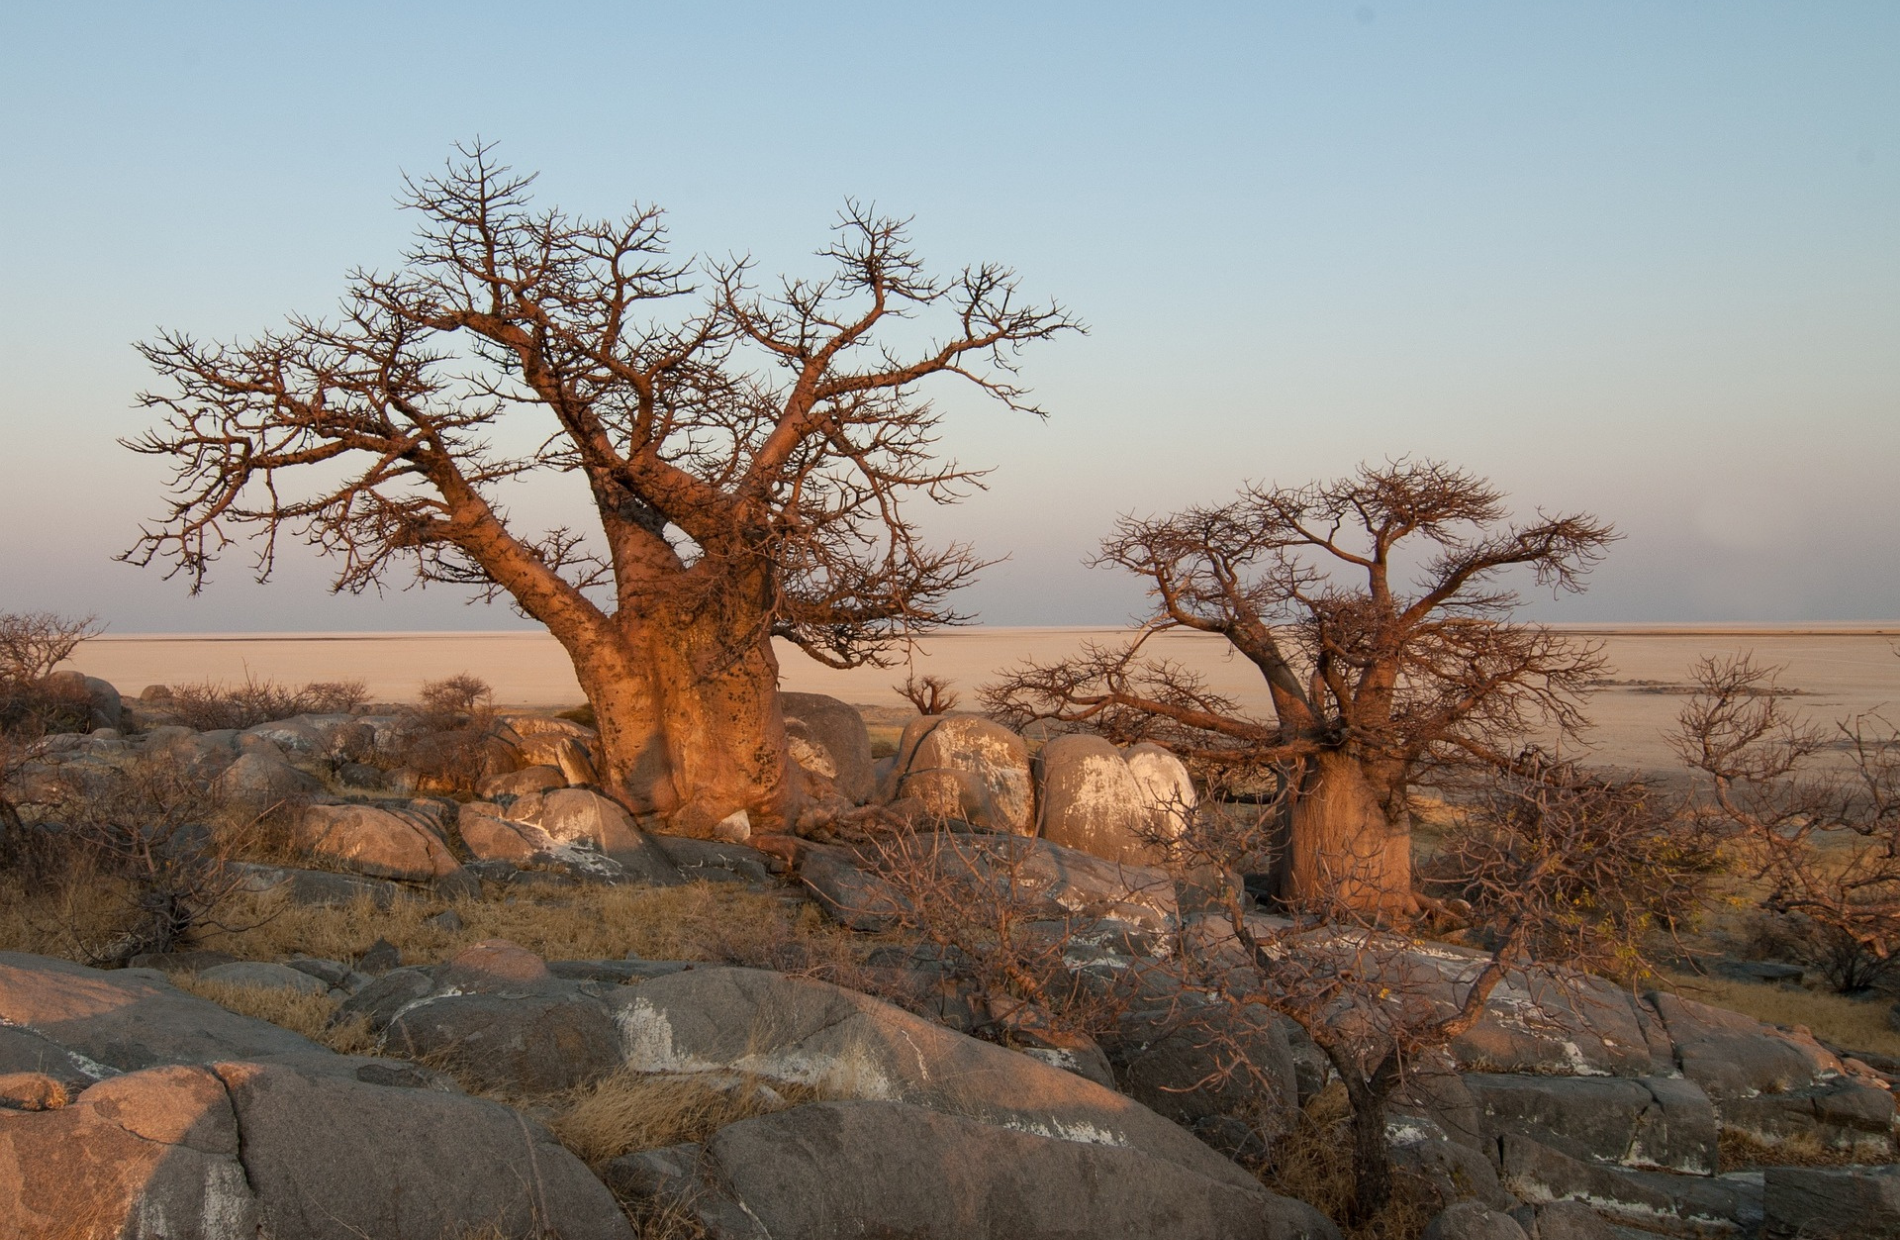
x=538 y=738
x=314 y=887
x=569 y=815
x=1831 y=1203
x=828 y=738
x=1089 y=800
x=128 y=1019
x=1655 y=1201
x=238 y=1150
x=1636 y=1122
x=1470 y=1220
x=849 y=1045
x=1735 y=1056
x=261 y=779
x=376 y=842
x=966 y=767
x=260 y=975
x=148 y=1156
x=523 y=1045
x=888 y=1169
x=1167 y=789
x=1845 y=1115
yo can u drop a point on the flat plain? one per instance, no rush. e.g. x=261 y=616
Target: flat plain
x=1835 y=671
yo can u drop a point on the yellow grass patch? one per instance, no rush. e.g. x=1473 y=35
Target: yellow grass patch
x=309 y=1015
x=631 y=1111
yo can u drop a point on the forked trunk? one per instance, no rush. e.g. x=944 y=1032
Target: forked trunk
x=689 y=724
x=1342 y=850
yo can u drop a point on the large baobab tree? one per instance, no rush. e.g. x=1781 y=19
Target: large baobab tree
x=748 y=455
x=1372 y=680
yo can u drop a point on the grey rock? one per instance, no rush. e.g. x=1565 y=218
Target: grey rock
x=1831 y=1203
x=1843 y=1114
x=1735 y=1056
x=263 y=976
x=1447 y=1171
x=332 y=1158
x=850 y=1045
x=1196 y=1062
x=529 y=779
x=571 y=815
x=521 y=1045
x=1638 y=1122
x=1565 y=1220
x=381 y=957
x=261 y=779
x=127 y=1020
x=380 y=843
x=315 y=887
x=448 y=921
x=380 y=1001
x=1674 y=1204
x=887 y=1169
x=332 y=973
x=359 y=775
x=717 y=860
x=1469 y=1220
x=24 y=1051
x=833 y=742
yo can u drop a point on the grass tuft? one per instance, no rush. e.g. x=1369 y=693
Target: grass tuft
x=309 y=1015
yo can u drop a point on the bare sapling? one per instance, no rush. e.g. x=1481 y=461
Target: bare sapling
x=931 y=695
x=1375 y=682
x=1814 y=810
x=752 y=456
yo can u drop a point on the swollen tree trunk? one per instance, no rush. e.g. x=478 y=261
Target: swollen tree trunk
x=689 y=719
x=1343 y=849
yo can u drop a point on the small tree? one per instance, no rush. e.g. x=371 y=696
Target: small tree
x=749 y=457
x=1553 y=867
x=1371 y=683
x=32 y=644
x=931 y=695
x=1826 y=842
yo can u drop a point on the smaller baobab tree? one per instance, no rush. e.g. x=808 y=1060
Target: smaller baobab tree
x=1555 y=870
x=1372 y=682
x=750 y=457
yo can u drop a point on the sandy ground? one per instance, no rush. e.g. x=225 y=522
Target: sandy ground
x=1840 y=670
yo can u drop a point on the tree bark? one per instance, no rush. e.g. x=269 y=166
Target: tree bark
x=689 y=721
x=1342 y=847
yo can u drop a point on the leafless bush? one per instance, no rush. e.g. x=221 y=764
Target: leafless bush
x=1825 y=842
x=931 y=695
x=158 y=835
x=992 y=929
x=32 y=644
x=209 y=705
x=451 y=737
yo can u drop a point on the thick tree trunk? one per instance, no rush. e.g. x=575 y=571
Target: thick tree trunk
x=689 y=722
x=1342 y=849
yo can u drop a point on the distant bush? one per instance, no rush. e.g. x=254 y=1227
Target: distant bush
x=209 y=706
x=33 y=701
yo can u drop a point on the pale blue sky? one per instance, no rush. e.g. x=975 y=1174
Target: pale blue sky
x=1641 y=258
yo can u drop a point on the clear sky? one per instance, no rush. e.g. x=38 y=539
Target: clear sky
x=1639 y=258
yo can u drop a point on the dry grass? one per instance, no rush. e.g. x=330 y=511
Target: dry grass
x=715 y=922
x=1740 y=1152
x=631 y=1111
x=1313 y=1163
x=309 y=1015
x=1840 y=1020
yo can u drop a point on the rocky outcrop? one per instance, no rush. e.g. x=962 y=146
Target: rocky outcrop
x=1089 y=800
x=380 y=843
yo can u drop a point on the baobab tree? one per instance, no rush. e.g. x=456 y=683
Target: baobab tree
x=1372 y=683
x=749 y=456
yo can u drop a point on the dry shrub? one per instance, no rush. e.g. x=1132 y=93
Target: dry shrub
x=208 y=706
x=644 y=1111
x=1314 y=1163
x=309 y=1015
x=54 y=918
